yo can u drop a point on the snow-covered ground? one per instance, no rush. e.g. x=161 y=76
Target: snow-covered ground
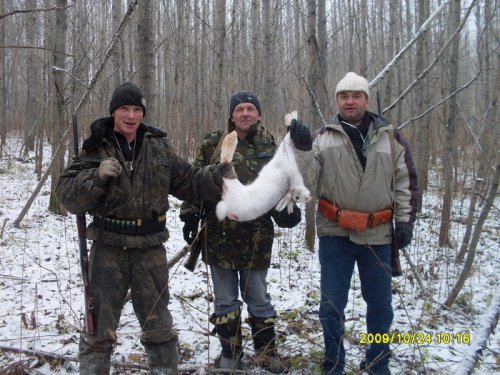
x=41 y=294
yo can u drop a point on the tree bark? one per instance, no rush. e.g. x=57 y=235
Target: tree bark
x=60 y=110
x=451 y=125
x=3 y=83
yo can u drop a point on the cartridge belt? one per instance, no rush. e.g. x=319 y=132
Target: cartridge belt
x=352 y=219
x=131 y=226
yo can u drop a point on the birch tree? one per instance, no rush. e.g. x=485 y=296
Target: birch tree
x=450 y=125
x=3 y=82
x=146 y=56
x=31 y=88
x=422 y=97
x=59 y=56
x=220 y=41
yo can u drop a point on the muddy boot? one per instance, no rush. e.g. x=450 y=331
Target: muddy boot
x=228 y=328
x=264 y=341
x=163 y=357
x=93 y=363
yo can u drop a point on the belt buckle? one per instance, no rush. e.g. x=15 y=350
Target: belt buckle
x=370 y=221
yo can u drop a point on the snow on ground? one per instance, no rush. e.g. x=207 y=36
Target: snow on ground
x=41 y=293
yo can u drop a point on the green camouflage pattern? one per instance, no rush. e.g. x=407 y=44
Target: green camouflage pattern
x=113 y=271
x=158 y=172
x=231 y=244
x=117 y=261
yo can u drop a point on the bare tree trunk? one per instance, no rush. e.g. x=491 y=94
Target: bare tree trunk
x=451 y=124
x=312 y=81
x=323 y=97
x=146 y=56
x=220 y=41
x=60 y=108
x=116 y=14
x=3 y=83
x=363 y=36
x=489 y=127
x=267 y=92
x=31 y=89
x=255 y=42
x=475 y=238
x=422 y=96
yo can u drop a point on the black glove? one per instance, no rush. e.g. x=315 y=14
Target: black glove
x=404 y=234
x=223 y=171
x=300 y=135
x=285 y=220
x=190 y=228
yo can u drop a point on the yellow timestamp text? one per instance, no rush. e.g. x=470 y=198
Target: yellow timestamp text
x=419 y=338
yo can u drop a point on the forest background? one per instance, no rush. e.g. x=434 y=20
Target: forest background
x=432 y=68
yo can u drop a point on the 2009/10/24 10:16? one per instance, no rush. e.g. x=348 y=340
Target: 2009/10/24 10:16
x=419 y=338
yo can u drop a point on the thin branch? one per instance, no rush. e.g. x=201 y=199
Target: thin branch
x=436 y=59
x=425 y=26
x=441 y=101
x=35 y=47
x=22 y=11
x=314 y=99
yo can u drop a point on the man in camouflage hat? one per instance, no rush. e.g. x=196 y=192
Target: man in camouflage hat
x=239 y=253
x=123 y=176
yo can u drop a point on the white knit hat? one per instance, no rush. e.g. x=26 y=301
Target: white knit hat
x=352 y=82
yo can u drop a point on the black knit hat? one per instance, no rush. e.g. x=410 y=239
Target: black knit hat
x=127 y=93
x=243 y=97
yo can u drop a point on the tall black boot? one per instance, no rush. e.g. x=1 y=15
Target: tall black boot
x=264 y=341
x=228 y=328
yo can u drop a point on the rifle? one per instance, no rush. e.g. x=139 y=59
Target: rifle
x=81 y=225
x=395 y=262
x=191 y=261
x=194 y=254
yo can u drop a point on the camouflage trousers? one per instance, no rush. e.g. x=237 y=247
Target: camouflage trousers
x=113 y=271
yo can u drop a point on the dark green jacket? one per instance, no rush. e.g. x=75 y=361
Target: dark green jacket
x=158 y=172
x=232 y=244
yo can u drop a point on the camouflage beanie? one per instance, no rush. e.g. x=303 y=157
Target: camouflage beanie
x=127 y=94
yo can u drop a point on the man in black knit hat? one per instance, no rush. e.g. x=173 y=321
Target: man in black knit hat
x=123 y=176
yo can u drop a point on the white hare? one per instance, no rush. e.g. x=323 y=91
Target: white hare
x=278 y=185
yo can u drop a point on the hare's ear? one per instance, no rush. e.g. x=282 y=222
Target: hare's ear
x=284 y=202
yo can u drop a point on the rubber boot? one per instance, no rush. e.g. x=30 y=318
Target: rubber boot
x=228 y=328
x=264 y=341
x=163 y=358
x=92 y=363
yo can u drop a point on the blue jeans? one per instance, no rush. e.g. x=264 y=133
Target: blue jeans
x=253 y=287
x=337 y=256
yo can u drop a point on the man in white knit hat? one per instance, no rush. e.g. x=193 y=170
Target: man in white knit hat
x=365 y=179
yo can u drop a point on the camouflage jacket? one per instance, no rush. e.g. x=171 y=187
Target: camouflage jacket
x=232 y=244
x=143 y=193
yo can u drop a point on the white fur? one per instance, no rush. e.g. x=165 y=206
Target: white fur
x=279 y=184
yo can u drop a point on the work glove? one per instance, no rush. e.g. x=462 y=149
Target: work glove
x=300 y=135
x=190 y=228
x=404 y=234
x=223 y=170
x=283 y=219
x=109 y=168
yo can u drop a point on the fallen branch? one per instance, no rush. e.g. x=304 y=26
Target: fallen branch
x=47 y=356
x=178 y=256
x=488 y=323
